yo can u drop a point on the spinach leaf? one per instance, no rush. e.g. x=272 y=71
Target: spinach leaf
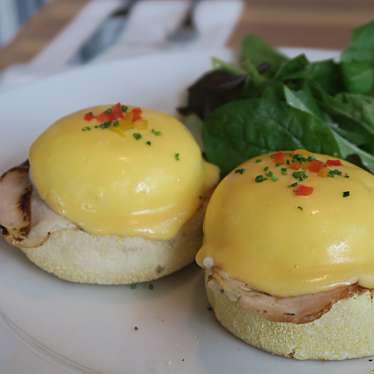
x=358 y=107
x=292 y=69
x=353 y=115
x=361 y=47
x=359 y=77
x=326 y=74
x=358 y=61
x=348 y=149
x=304 y=101
x=355 y=137
x=243 y=129
x=299 y=71
x=261 y=55
x=273 y=90
x=253 y=74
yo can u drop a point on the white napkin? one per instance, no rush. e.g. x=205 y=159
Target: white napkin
x=147 y=30
x=55 y=56
x=214 y=22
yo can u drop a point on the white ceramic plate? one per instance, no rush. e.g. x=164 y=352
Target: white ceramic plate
x=90 y=328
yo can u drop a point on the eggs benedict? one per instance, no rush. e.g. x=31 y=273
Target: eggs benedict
x=111 y=194
x=288 y=255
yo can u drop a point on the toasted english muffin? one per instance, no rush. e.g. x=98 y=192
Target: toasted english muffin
x=345 y=331
x=74 y=255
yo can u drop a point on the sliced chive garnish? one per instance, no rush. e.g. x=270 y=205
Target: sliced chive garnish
x=300 y=175
x=274 y=178
x=105 y=125
x=156 y=132
x=333 y=173
x=269 y=174
x=260 y=178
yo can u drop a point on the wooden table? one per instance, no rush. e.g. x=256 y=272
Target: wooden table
x=297 y=23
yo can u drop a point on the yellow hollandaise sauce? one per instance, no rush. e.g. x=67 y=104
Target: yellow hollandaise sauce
x=118 y=170
x=292 y=223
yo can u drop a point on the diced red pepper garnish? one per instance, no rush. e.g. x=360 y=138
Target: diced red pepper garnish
x=117 y=111
x=136 y=114
x=334 y=163
x=278 y=157
x=112 y=115
x=105 y=117
x=295 y=166
x=89 y=116
x=303 y=190
x=117 y=108
x=315 y=166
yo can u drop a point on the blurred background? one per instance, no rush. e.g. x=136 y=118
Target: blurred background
x=31 y=29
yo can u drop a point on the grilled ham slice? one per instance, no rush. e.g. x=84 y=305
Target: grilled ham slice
x=26 y=221
x=296 y=309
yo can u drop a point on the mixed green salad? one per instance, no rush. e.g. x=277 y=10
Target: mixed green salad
x=269 y=102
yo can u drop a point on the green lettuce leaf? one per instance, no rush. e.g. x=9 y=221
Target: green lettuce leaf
x=358 y=61
x=259 y=54
x=243 y=129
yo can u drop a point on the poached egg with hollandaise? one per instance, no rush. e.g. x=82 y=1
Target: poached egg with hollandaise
x=110 y=194
x=288 y=255
x=138 y=173
x=290 y=224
